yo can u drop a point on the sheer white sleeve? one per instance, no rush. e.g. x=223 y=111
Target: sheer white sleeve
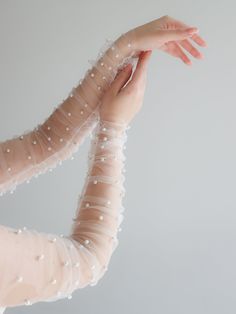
x=37 y=266
x=61 y=134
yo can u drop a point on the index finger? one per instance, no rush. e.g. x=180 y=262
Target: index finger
x=141 y=68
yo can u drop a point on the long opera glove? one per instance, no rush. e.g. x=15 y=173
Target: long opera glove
x=37 y=266
x=36 y=151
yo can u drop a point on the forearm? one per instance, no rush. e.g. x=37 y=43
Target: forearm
x=61 y=134
x=50 y=267
x=99 y=213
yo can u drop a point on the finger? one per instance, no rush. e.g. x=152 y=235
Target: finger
x=176 y=51
x=177 y=34
x=190 y=48
x=121 y=79
x=141 y=68
x=198 y=40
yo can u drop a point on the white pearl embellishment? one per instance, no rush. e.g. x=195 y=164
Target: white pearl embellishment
x=27 y=302
x=19 y=279
x=40 y=257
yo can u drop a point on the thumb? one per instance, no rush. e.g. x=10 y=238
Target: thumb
x=178 y=34
x=121 y=78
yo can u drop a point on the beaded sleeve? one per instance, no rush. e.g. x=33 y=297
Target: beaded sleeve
x=61 y=134
x=37 y=266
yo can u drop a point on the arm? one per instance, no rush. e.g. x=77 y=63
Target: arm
x=62 y=133
x=50 y=267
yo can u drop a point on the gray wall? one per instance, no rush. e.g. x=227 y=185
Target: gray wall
x=177 y=251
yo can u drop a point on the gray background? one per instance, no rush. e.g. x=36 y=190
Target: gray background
x=177 y=251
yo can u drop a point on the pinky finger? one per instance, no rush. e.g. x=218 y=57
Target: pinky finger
x=178 y=52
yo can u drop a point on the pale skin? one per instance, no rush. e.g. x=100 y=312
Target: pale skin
x=124 y=98
x=166 y=33
x=169 y=35
x=120 y=103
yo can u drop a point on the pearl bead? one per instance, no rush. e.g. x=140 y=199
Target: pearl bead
x=108 y=202
x=29 y=157
x=66 y=263
x=54 y=240
x=105 y=138
x=19 y=279
x=112 y=48
x=99 y=87
x=129 y=45
x=53 y=281
x=93 y=267
x=104 y=129
x=77 y=264
x=18 y=231
x=69 y=114
x=95 y=182
x=102 y=146
x=61 y=139
x=34 y=142
x=101 y=217
x=92 y=74
x=49 y=139
x=81 y=112
x=71 y=246
x=85 y=105
x=86 y=241
x=21 y=137
x=40 y=257
x=102 y=64
x=27 y=302
x=9 y=169
x=80 y=82
x=67 y=128
x=110 y=68
x=49 y=148
x=87 y=205
x=8 y=150
x=102 y=159
x=104 y=77
x=49 y=128
x=117 y=56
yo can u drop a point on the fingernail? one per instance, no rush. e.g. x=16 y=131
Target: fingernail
x=192 y=30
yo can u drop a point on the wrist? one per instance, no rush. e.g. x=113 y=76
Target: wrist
x=113 y=125
x=127 y=43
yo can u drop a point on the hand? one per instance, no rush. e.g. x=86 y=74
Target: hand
x=169 y=35
x=122 y=101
